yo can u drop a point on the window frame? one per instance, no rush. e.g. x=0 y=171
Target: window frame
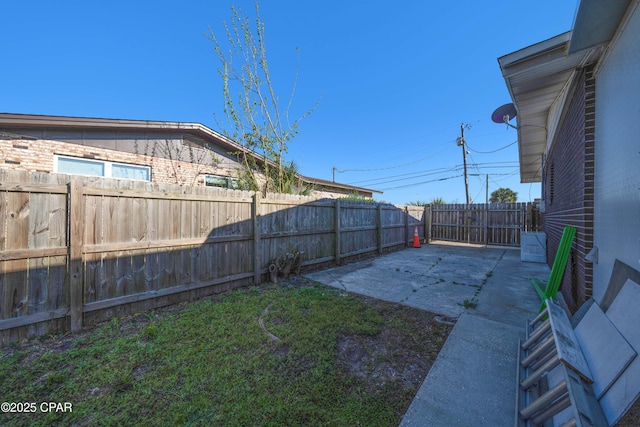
x=231 y=183
x=107 y=167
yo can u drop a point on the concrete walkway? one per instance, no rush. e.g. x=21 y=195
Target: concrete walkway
x=472 y=382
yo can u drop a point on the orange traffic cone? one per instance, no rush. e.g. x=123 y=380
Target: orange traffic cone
x=416 y=238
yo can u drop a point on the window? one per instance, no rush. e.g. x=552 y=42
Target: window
x=90 y=167
x=220 y=181
x=138 y=173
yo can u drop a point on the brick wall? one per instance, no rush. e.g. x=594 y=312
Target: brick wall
x=568 y=189
x=38 y=155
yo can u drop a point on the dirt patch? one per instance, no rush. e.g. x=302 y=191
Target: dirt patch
x=403 y=354
x=372 y=359
x=397 y=352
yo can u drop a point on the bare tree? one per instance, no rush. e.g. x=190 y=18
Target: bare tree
x=178 y=154
x=256 y=117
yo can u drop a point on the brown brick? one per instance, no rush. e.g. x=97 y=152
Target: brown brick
x=573 y=160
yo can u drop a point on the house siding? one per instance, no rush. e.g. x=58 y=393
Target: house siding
x=568 y=178
x=37 y=155
x=617 y=184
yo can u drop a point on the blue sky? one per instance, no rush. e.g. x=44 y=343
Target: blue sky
x=392 y=83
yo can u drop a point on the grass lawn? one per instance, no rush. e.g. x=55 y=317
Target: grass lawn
x=287 y=354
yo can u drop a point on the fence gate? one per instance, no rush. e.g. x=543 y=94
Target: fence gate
x=490 y=224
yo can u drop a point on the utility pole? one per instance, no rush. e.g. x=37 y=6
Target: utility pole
x=334 y=174
x=486 y=189
x=464 y=160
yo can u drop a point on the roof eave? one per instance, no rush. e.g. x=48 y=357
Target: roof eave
x=537 y=78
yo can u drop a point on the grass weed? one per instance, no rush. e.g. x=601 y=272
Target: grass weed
x=210 y=363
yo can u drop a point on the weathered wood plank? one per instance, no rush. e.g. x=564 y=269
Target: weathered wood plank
x=124 y=269
x=338 y=237
x=108 y=260
x=185 y=232
x=58 y=284
x=32 y=188
x=155 y=294
x=15 y=298
x=23 y=254
x=3 y=240
x=165 y=267
x=38 y=277
x=176 y=252
x=76 y=240
x=203 y=250
x=43 y=316
x=139 y=234
x=257 y=244
x=162 y=194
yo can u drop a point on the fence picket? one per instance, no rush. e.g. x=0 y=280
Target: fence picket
x=492 y=224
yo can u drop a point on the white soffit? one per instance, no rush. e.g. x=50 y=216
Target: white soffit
x=536 y=76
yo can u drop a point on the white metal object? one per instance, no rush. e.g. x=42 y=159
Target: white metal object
x=533 y=247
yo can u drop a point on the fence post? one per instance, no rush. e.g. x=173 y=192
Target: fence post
x=406 y=225
x=257 y=239
x=76 y=241
x=486 y=224
x=379 y=228
x=337 y=232
x=427 y=223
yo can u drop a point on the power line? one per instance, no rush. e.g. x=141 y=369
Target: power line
x=506 y=176
x=384 y=180
x=402 y=174
x=425 y=172
x=481 y=188
x=391 y=167
x=494 y=151
x=420 y=183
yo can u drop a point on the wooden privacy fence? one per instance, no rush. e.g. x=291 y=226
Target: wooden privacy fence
x=491 y=224
x=78 y=250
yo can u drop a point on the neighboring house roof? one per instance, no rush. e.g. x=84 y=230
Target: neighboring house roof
x=539 y=78
x=34 y=121
x=322 y=183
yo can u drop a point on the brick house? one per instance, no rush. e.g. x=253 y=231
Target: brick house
x=577 y=97
x=156 y=151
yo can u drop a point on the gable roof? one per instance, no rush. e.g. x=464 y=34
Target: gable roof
x=323 y=183
x=539 y=77
x=35 y=121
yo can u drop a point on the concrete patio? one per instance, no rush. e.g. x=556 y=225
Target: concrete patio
x=488 y=292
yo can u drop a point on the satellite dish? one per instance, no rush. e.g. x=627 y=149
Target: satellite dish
x=504 y=114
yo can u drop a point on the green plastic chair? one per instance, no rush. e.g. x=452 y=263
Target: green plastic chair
x=557 y=271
